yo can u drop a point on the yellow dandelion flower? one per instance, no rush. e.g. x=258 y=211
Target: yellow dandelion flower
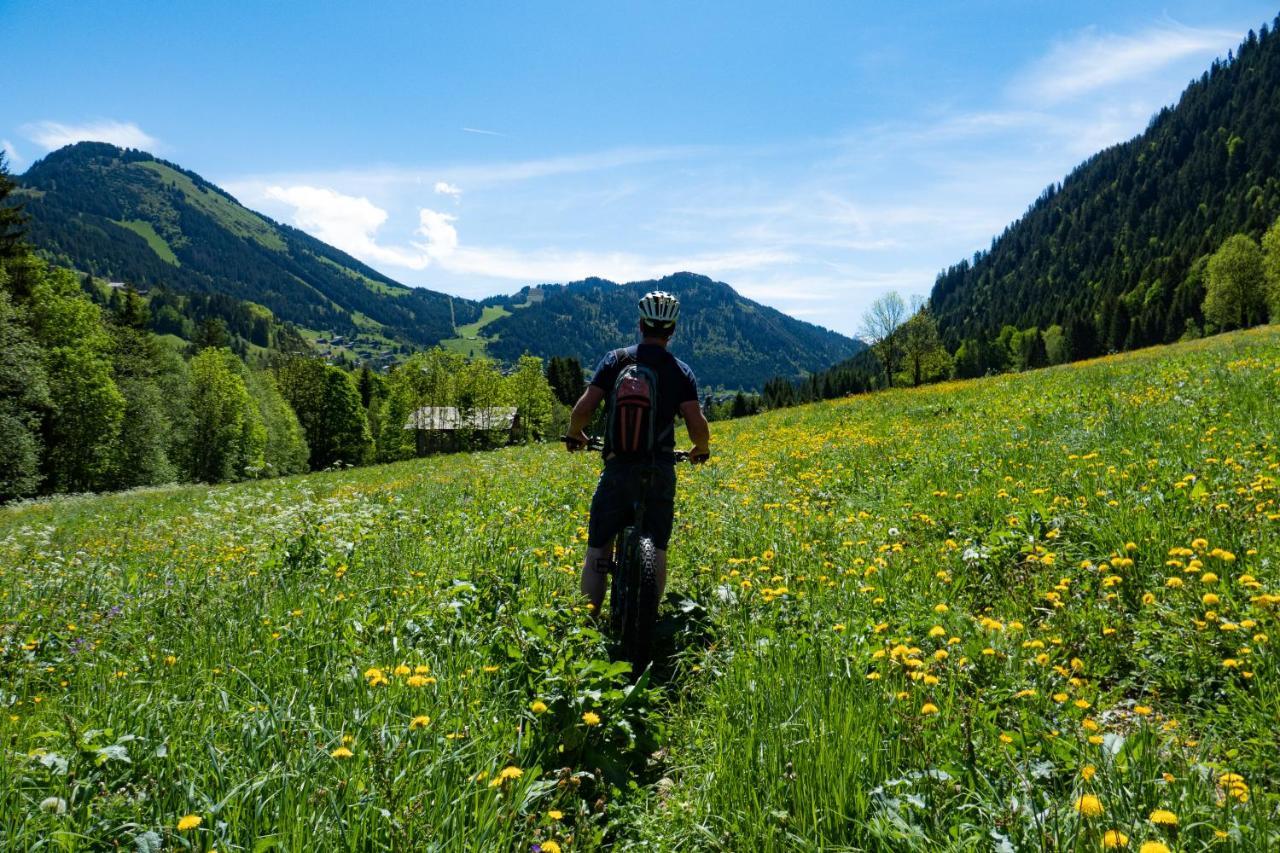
x=538 y=706
x=1153 y=847
x=549 y=847
x=1113 y=838
x=1163 y=817
x=402 y=670
x=420 y=722
x=591 y=718
x=555 y=814
x=1089 y=806
x=928 y=708
x=1142 y=710
x=189 y=822
x=1088 y=772
x=342 y=752
x=510 y=772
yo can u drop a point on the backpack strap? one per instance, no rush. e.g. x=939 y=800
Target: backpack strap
x=620 y=358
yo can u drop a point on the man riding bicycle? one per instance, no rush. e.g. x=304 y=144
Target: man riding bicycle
x=644 y=386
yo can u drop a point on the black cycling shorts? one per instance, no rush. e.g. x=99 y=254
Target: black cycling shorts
x=611 y=507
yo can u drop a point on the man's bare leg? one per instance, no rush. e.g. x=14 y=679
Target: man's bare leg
x=595 y=572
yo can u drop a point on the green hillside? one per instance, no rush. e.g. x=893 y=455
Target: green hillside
x=1113 y=253
x=1017 y=613
x=126 y=216
x=732 y=342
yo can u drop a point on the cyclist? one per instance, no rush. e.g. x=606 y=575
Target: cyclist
x=676 y=391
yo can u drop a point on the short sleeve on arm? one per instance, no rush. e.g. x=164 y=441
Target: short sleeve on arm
x=602 y=378
x=689 y=387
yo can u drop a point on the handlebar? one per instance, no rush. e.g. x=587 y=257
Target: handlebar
x=595 y=443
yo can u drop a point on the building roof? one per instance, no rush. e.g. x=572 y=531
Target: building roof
x=450 y=418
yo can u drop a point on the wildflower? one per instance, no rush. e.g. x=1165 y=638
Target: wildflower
x=420 y=722
x=1163 y=817
x=342 y=752
x=401 y=670
x=928 y=708
x=555 y=814
x=1154 y=847
x=1142 y=710
x=1089 y=806
x=591 y=718
x=510 y=772
x=189 y=822
x=1209 y=599
x=538 y=706
x=1087 y=772
x=838 y=628
x=1114 y=838
x=549 y=847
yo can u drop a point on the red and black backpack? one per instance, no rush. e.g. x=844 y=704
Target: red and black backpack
x=632 y=407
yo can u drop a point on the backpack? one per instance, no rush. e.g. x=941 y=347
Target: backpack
x=631 y=414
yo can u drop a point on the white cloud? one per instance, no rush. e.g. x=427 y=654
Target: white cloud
x=451 y=190
x=1094 y=60
x=51 y=135
x=351 y=224
x=437 y=229
x=482 y=132
x=15 y=160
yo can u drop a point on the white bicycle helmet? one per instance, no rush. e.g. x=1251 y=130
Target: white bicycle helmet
x=660 y=308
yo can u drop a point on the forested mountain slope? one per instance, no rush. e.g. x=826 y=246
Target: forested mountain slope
x=731 y=341
x=125 y=215
x=1111 y=253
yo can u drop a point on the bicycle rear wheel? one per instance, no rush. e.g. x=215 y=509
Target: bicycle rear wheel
x=633 y=598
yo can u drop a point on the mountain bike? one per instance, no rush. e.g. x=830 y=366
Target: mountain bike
x=633 y=587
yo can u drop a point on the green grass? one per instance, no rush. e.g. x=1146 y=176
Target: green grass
x=930 y=619
x=157 y=243
x=468 y=339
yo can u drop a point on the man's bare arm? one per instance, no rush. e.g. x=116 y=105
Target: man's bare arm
x=582 y=412
x=696 y=424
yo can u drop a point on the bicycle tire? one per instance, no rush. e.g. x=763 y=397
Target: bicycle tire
x=619 y=586
x=633 y=598
x=646 y=606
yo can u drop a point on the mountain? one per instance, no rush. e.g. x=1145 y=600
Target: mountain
x=126 y=215
x=1113 y=253
x=729 y=340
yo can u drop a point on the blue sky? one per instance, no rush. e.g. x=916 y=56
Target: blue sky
x=813 y=155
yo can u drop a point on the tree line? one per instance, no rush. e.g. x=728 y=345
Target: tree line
x=1238 y=286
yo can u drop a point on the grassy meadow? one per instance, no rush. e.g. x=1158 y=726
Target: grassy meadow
x=1028 y=612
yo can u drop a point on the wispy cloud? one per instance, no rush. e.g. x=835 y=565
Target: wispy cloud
x=1093 y=60
x=482 y=132
x=472 y=175
x=51 y=135
x=451 y=190
x=15 y=160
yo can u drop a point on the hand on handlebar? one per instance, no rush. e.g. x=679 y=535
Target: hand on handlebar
x=581 y=441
